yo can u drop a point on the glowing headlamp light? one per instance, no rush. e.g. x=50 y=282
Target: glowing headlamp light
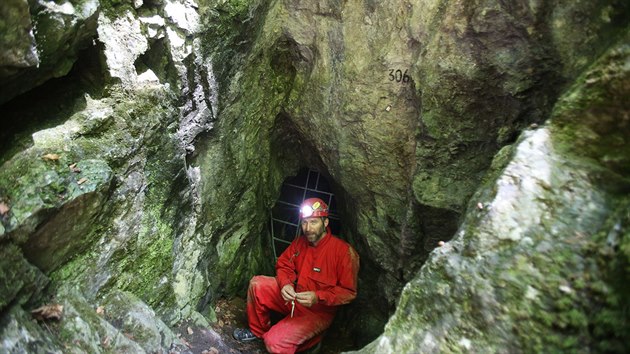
x=306 y=211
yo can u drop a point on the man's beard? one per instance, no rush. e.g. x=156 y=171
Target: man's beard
x=315 y=236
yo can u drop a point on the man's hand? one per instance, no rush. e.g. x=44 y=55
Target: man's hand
x=307 y=298
x=288 y=292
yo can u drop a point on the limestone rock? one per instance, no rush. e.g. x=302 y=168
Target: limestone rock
x=138 y=322
x=61 y=30
x=538 y=267
x=53 y=182
x=21 y=335
x=153 y=191
x=99 y=199
x=124 y=43
x=403 y=115
x=17 y=42
x=83 y=330
x=19 y=280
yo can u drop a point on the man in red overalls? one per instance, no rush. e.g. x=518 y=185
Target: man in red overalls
x=314 y=275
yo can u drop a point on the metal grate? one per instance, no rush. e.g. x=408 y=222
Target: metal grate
x=284 y=218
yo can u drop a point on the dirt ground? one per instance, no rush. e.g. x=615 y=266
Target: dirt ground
x=230 y=315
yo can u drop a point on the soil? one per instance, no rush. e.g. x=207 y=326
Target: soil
x=230 y=315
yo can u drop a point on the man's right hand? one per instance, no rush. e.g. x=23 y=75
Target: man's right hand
x=288 y=292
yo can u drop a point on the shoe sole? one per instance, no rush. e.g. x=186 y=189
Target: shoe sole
x=244 y=339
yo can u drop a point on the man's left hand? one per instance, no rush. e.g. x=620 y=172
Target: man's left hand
x=307 y=298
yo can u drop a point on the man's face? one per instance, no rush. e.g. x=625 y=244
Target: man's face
x=314 y=228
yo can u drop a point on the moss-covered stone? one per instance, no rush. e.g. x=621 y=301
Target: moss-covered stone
x=402 y=105
x=19 y=280
x=21 y=335
x=137 y=321
x=61 y=30
x=539 y=263
x=84 y=328
x=139 y=218
x=17 y=41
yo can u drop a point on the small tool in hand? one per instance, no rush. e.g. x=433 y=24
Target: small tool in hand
x=292 y=307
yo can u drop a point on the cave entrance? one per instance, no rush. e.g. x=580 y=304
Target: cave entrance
x=284 y=218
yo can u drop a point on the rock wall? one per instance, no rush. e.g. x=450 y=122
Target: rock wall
x=401 y=104
x=145 y=141
x=540 y=263
x=96 y=197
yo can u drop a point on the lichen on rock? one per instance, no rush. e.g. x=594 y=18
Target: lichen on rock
x=141 y=182
x=536 y=265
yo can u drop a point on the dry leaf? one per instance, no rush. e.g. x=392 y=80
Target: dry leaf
x=105 y=343
x=129 y=336
x=212 y=350
x=51 y=157
x=100 y=310
x=74 y=168
x=186 y=342
x=4 y=208
x=48 y=312
x=190 y=331
x=82 y=180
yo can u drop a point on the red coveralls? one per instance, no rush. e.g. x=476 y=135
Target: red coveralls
x=329 y=269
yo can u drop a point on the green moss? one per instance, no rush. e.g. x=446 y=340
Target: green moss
x=230 y=29
x=611 y=293
x=137 y=124
x=596 y=98
x=19 y=280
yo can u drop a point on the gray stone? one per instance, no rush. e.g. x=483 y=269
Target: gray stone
x=17 y=43
x=19 y=280
x=85 y=329
x=136 y=320
x=19 y=333
x=533 y=270
x=124 y=43
x=406 y=107
x=61 y=30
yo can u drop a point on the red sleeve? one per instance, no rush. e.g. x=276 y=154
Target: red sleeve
x=286 y=272
x=346 y=289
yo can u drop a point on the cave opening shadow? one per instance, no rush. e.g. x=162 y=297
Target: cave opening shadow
x=284 y=219
x=284 y=228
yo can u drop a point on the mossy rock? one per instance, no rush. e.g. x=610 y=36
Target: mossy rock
x=20 y=334
x=19 y=280
x=84 y=328
x=134 y=319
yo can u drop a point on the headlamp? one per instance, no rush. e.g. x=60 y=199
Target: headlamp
x=306 y=211
x=313 y=208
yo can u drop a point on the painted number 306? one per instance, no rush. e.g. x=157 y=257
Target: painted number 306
x=399 y=76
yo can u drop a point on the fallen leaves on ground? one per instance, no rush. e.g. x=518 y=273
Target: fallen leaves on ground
x=74 y=168
x=212 y=350
x=82 y=180
x=186 y=342
x=51 y=157
x=106 y=342
x=100 y=310
x=4 y=208
x=48 y=312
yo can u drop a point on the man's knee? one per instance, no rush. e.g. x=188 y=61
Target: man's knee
x=254 y=280
x=276 y=343
x=257 y=281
